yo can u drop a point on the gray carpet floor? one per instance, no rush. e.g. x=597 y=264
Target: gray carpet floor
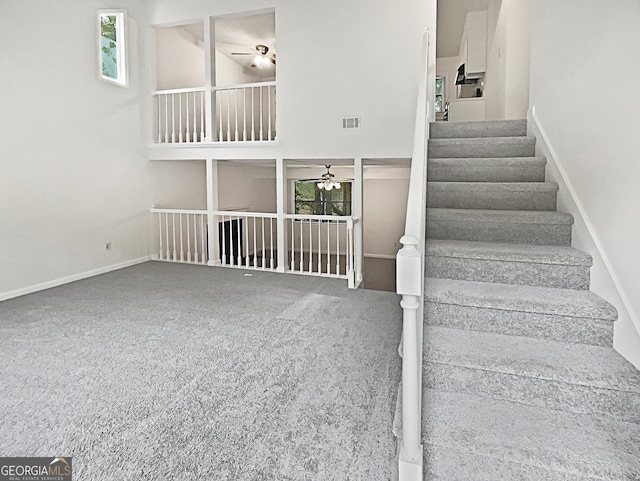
x=167 y=371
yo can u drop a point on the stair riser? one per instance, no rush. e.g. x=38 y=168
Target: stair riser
x=524 y=148
x=456 y=130
x=465 y=198
x=532 y=391
x=517 y=323
x=506 y=272
x=490 y=173
x=510 y=232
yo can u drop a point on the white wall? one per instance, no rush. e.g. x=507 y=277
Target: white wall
x=179 y=59
x=229 y=72
x=75 y=172
x=384 y=213
x=246 y=187
x=508 y=45
x=582 y=74
x=332 y=62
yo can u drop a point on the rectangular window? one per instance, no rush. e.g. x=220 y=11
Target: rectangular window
x=112 y=45
x=439 y=93
x=312 y=200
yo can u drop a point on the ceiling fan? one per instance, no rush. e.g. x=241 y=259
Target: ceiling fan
x=328 y=181
x=262 y=56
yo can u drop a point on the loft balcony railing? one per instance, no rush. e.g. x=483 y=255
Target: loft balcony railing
x=318 y=245
x=235 y=113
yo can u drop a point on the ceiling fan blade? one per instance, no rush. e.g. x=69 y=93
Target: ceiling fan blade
x=241 y=53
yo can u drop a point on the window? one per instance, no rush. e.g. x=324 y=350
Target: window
x=311 y=200
x=439 y=93
x=112 y=38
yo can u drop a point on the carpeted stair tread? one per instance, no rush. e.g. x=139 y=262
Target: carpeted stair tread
x=508 y=441
x=450 y=463
x=493 y=169
x=564 y=255
x=509 y=226
x=558 y=314
x=579 y=364
x=539 y=196
x=532 y=187
x=509 y=297
x=500 y=216
x=488 y=128
x=508 y=263
x=482 y=147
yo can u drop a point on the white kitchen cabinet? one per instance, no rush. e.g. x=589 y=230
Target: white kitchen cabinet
x=473 y=47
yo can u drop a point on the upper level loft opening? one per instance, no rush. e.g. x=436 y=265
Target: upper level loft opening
x=215 y=80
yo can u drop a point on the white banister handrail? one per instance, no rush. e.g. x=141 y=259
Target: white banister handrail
x=177 y=91
x=244 y=86
x=342 y=218
x=243 y=213
x=177 y=211
x=409 y=284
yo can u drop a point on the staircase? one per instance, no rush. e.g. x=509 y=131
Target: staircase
x=520 y=379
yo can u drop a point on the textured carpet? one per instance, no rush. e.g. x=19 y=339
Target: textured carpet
x=167 y=371
x=520 y=380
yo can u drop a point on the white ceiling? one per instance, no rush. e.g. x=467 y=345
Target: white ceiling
x=451 y=18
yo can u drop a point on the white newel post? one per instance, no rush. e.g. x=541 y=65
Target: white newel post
x=409 y=285
x=357 y=212
x=210 y=78
x=213 y=242
x=281 y=211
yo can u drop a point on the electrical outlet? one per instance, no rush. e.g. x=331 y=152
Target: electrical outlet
x=107 y=246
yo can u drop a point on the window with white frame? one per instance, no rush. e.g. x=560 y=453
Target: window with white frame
x=313 y=200
x=439 y=94
x=112 y=46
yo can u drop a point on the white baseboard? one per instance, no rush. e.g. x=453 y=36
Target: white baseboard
x=604 y=280
x=75 y=277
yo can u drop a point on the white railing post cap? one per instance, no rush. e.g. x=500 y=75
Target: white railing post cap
x=410 y=245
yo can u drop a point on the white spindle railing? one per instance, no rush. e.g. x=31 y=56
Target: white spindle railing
x=247 y=239
x=323 y=245
x=409 y=284
x=245 y=112
x=180 y=115
x=182 y=235
x=317 y=244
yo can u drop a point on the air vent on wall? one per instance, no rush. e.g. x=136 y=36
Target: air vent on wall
x=350 y=122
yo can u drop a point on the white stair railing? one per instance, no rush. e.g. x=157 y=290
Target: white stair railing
x=409 y=284
x=323 y=245
x=182 y=235
x=247 y=239
x=317 y=245
x=180 y=115
x=246 y=112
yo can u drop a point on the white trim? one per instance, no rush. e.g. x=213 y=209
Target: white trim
x=380 y=256
x=555 y=160
x=75 y=277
